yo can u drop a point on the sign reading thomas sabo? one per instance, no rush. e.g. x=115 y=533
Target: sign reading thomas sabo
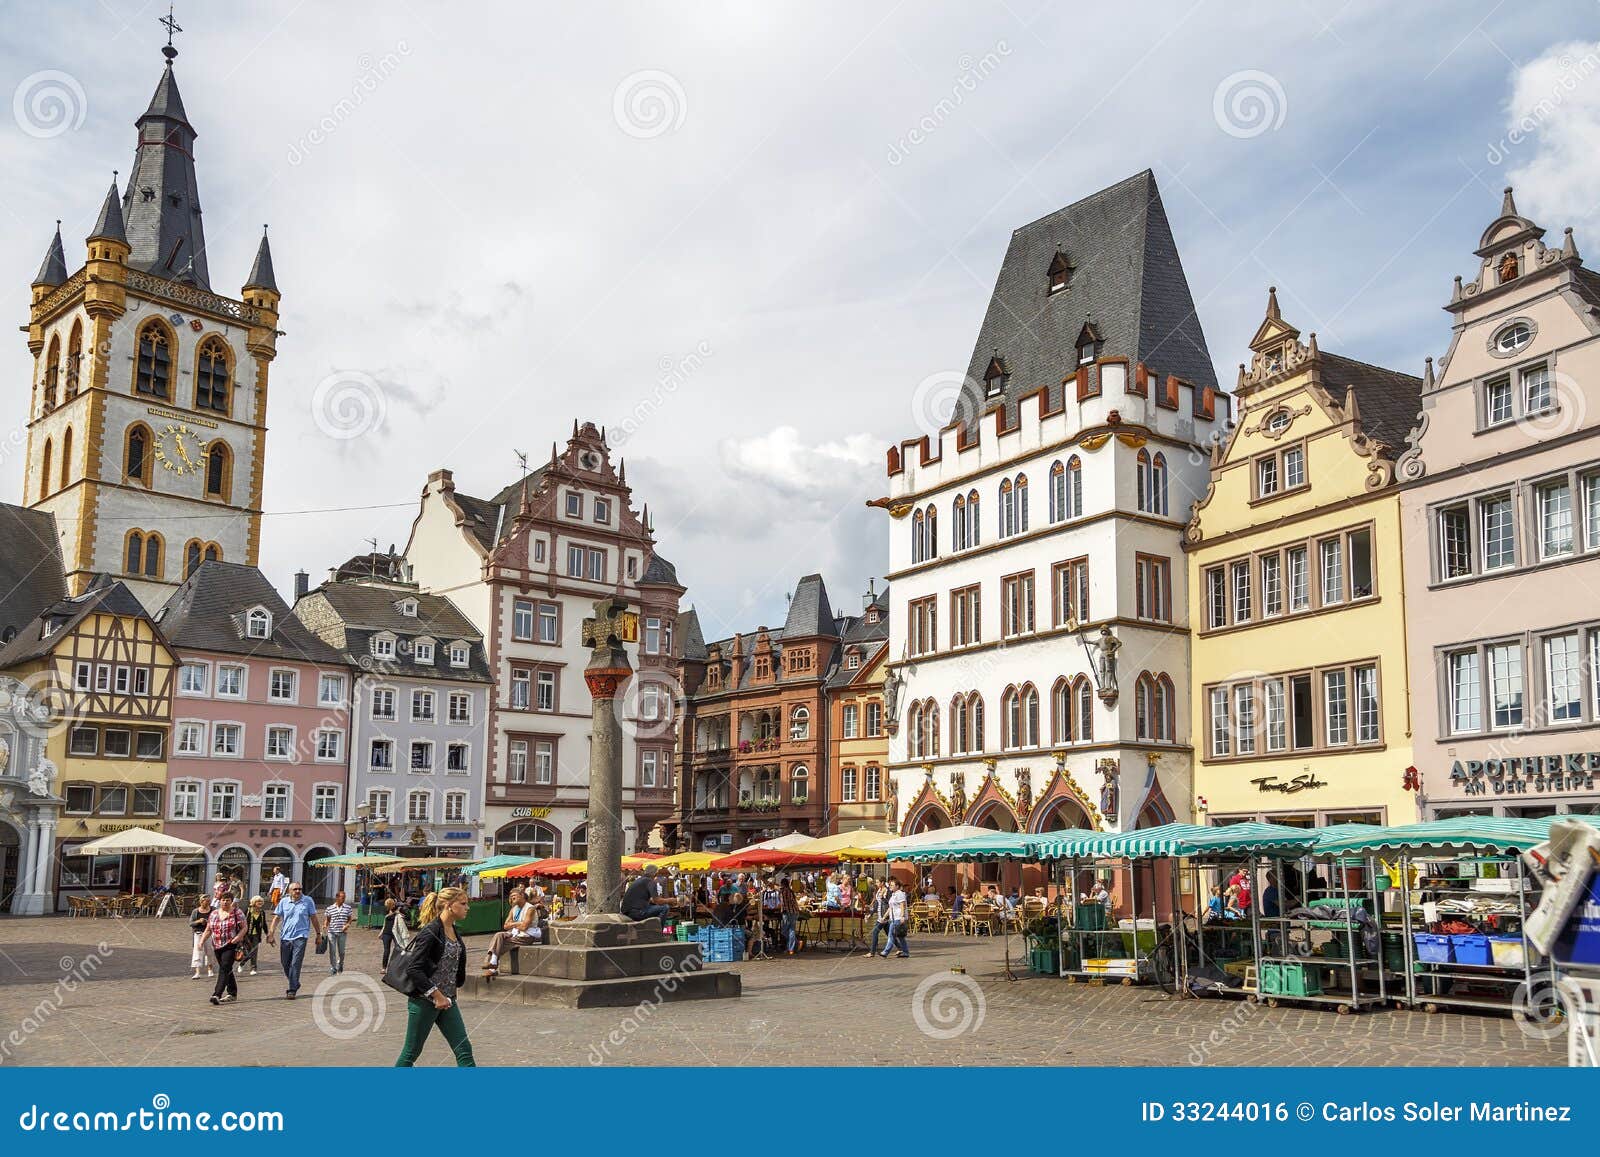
x=1520 y=775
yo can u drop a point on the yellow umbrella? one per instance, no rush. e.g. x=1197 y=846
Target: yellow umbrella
x=687 y=861
x=859 y=854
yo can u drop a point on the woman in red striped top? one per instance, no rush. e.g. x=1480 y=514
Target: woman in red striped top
x=225 y=930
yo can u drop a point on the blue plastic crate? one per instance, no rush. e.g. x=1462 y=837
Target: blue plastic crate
x=1433 y=949
x=1471 y=948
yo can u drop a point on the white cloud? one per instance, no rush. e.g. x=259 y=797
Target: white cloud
x=1553 y=136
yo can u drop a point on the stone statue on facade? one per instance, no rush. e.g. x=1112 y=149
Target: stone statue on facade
x=1024 y=794
x=5 y=754
x=892 y=682
x=958 y=796
x=1110 y=771
x=1106 y=660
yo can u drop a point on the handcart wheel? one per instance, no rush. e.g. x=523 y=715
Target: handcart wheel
x=1346 y=1009
x=1072 y=980
x=1252 y=999
x=1097 y=982
x=1127 y=982
x=1430 y=1009
x=1272 y=1002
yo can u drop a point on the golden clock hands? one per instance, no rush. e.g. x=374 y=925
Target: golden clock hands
x=177 y=444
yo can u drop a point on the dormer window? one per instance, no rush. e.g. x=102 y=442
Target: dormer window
x=1508 y=268
x=853 y=660
x=574 y=504
x=408 y=608
x=996 y=376
x=459 y=653
x=383 y=646
x=1513 y=337
x=424 y=651
x=258 y=624
x=1060 y=272
x=872 y=615
x=1088 y=344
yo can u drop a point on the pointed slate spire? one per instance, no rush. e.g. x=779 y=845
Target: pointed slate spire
x=161 y=205
x=53 y=269
x=108 y=226
x=1569 y=247
x=1508 y=205
x=261 y=275
x=1272 y=303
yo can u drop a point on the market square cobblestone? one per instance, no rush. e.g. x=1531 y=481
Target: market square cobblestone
x=133 y=1003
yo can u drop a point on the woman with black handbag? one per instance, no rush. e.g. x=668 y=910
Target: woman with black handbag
x=429 y=970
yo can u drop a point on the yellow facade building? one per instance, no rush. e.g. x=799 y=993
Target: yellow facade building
x=101 y=665
x=1299 y=658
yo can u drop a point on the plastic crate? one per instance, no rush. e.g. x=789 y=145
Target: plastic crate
x=1433 y=949
x=1471 y=948
x=1269 y=981
x=1089 y=918
x=1508 y=951
x=1044 y=962
x=1301 y=980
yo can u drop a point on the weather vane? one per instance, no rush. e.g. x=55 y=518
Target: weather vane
x=171 y=26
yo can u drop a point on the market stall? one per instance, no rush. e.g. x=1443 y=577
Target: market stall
x=986 y=846
x=1461 y=899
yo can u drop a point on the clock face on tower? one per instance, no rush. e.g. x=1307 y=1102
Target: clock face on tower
x=178 y=450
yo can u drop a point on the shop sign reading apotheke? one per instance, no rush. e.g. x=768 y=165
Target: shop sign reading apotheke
x=530 y=813
x=1527 y=773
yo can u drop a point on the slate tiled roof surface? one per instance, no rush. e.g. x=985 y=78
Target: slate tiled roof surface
x=1390 y=401
x=1127 y=280
x=31 y=572
x=207 y=613
x=104 y=594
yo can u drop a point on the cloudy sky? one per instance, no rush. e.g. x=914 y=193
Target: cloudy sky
x=742 y=233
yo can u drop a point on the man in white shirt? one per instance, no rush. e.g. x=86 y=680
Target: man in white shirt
x=898 y=912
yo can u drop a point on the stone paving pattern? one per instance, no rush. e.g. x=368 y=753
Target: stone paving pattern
x=135 y=1004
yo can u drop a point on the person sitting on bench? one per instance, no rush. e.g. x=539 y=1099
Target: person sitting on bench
x=637 y=901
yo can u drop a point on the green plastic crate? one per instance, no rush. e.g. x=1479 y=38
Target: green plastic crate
x=1269 y=979
x=1044 y=962
x=1301 y=980
x=1089 y=918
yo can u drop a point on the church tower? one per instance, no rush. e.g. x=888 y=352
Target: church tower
x=147 y=422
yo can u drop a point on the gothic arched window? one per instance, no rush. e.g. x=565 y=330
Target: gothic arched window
x=52 y=373
x=219 y=470
x=44 y=472
x=66 y=458
x=212 y=376
x=153 y=366
x=74 y=358
x=137 y=455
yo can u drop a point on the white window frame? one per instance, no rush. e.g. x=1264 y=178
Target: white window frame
x=423 y=695
x=393 y=696
x=324 y=679
x=285 y=730
x=321 y=792
x=281 y=790
x=466 y=760
x=195 y=727
x=411 y=754
x=190 y=791
x=325 y=753
x=380 y=804
x=463 y=698
x=273 y=676
x=217 y=790
x=244 y=680
x=216 y=735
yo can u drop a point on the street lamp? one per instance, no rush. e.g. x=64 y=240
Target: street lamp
x=359 y=829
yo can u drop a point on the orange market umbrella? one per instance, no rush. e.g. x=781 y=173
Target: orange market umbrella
x=772 y=858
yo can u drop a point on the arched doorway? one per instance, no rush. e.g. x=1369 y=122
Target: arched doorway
x=277 y=859
x=10 y=864
x=320 y=883
x=527 y=838
x=1060 y=815
x=235 y=863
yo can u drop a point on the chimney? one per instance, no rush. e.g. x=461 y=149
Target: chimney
x=738 y=659
x=302 y=584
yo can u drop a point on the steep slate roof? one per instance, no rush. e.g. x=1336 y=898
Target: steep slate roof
x=53 y=269
x=207 y=613
x=32 y=576
x=809 y=612
x=103 y=594
x=693 y=642
x=1127 y=280
x=1390 y=401
x=660 y=571
x=367 y=608
x=490 y=518
x=870 y=638
x=108 y=226
x=161 y=205
x=261 y=275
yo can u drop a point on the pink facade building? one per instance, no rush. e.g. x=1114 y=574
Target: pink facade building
x=1501 y=534
x=259 y=766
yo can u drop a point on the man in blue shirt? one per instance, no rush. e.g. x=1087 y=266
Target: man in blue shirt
x=297 y=915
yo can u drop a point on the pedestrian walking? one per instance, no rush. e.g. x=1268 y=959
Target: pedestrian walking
x=791 y=917
x=391 y=917
x=225 y=931
x=198 y=920
x=337 y=918
x=437 y=968
x=255 y=931
x=897 y=920
x=296 y=916
x=280 y=886
x=880 y=918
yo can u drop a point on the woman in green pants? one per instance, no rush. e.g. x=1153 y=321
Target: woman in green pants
x=437 y=967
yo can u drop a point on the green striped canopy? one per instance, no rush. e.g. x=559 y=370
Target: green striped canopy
x=1457 y=834
x=990 y=846
x=1174 y=840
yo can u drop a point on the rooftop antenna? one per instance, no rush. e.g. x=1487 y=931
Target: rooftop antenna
x=372 y=559
x=171 y=26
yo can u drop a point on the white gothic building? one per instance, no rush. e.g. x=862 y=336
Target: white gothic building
x=1040 y=646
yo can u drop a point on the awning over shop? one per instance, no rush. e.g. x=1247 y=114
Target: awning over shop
x=355 y=860
x=1457 y=834
x=1176 y=840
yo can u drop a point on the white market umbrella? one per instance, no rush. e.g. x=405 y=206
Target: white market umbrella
x=781 y=843
x=139 y=842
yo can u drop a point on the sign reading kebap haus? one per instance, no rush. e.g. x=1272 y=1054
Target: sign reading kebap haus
x=1523 y=774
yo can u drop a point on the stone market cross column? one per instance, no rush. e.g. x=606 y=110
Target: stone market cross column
x=607 y=671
